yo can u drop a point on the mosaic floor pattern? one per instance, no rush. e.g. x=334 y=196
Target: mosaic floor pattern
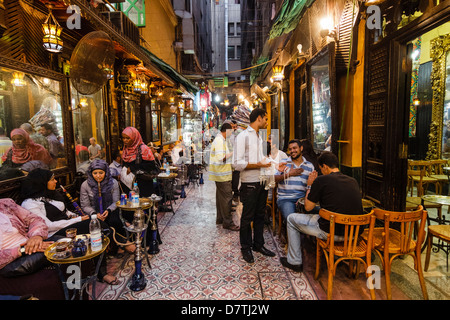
x=199 y=260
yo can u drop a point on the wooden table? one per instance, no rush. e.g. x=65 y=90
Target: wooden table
x=83 y=282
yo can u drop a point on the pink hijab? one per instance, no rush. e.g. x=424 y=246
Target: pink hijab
x=129 y=153
x=32 y=151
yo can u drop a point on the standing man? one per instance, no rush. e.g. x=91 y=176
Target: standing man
x=249 y=159
x=220 y=172
x=235 y=173
x=56 y=149
x=335 y=192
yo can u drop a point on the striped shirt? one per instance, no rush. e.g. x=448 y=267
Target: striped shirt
x=294 y=187
x=219 y=170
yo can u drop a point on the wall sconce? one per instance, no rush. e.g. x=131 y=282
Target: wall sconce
x=17 y=80
x=52 y=34
x=277 y=73
x=416 y=102
x=327 y=29
x=83 y=102
x=109 y=71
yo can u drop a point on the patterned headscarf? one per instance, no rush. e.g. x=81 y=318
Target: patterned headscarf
x=106 y=185
x=130 y=152
x=32 y=151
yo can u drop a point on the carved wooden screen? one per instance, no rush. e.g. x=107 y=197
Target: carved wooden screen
x=374 y=138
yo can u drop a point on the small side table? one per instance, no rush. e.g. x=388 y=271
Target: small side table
x=50 y=252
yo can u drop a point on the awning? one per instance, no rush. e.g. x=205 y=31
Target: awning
x=171 y=72
x=288 y=17
x=256 y=72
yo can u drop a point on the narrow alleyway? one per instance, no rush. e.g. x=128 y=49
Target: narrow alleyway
x=200 y=260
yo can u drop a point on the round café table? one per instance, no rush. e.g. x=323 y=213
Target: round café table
x=83 y=282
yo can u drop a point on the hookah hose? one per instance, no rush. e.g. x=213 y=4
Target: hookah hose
x=100 y=200
x=118 y=242
x=75 y=204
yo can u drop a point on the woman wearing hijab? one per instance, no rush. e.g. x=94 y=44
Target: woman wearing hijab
x=38 y=189
x=139 y=160
x=99 y=194
x=23 y=150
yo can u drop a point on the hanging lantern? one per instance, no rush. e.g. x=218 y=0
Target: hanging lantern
x=277 y=73
x=137 y=85
x=144 y=87
x=17 y=80
x=159 y=92
x=52 y=34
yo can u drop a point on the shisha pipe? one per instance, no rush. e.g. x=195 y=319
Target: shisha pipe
x=75 y=204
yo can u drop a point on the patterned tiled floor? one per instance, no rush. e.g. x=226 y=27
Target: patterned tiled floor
x=200 y=260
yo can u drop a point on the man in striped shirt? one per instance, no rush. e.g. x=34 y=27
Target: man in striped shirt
x=292 y=178
x=220 y=172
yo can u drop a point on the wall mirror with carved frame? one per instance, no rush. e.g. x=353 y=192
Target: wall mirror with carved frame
x=322 y=96
x=429 y=116
x=32 y=120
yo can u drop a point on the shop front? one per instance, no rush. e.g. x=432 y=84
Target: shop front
x=406 y=100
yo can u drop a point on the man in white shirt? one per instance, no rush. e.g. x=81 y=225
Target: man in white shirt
x=249 y=159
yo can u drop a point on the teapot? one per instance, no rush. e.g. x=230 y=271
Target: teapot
x=79 y=248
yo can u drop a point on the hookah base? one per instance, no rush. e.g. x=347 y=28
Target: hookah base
x=138 y=282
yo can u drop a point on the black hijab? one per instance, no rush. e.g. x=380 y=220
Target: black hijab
x=34 y=186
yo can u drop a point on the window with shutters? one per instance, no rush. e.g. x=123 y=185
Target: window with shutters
x=135 y=10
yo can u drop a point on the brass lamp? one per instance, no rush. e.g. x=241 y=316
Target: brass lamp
x=144 y=87
x=277 y=73
x=52 y=34
x=137 y=85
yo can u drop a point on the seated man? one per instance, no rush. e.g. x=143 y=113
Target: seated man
x=335 y=192
x=116 y=165
x=292 y=180
x=22 y=244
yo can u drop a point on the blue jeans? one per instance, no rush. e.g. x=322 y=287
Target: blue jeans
x=286 y=206
x=307 y=224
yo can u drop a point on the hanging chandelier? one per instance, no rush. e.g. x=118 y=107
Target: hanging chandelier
x=52 y=34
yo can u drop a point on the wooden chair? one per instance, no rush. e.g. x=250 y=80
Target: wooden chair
x=418 y=173
x=437 y=172
x=390 y=243
x=442 y=232
x=353 y=248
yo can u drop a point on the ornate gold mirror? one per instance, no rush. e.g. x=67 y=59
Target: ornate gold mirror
x=440 y=78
